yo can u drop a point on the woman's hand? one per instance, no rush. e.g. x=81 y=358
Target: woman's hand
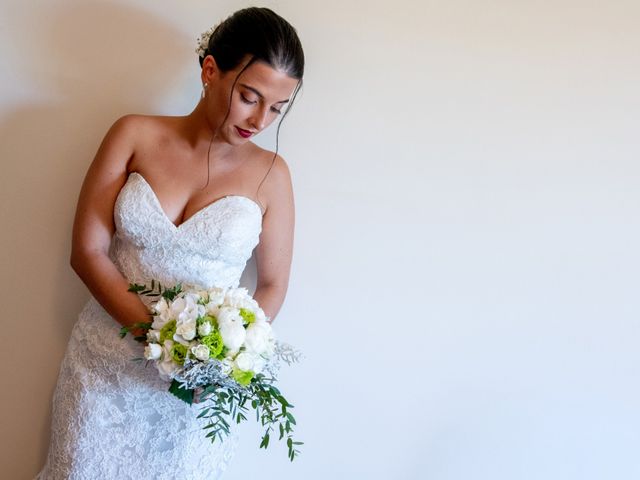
x=197 y=394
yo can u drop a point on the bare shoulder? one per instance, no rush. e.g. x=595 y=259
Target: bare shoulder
x=278 y=167
x=125 y=132
x=136 y=127
x=126 y=136
x=276 y=187
x=144 y=134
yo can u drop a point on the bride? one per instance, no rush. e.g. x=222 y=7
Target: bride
x=175 y=199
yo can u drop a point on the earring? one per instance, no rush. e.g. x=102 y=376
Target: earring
x=204 y=87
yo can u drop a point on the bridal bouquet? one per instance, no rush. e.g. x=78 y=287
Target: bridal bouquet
x=217 y=345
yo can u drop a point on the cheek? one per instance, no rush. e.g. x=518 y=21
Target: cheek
x=239 y=110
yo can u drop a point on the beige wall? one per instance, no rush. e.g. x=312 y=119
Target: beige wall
x=466 y=178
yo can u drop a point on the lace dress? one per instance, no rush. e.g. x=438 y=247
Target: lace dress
x=112 y=417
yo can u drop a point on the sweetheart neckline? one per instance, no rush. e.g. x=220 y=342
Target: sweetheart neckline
x=198 y=212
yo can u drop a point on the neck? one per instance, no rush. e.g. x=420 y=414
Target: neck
x=198 y=132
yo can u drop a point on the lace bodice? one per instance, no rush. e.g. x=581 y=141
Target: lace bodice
x=113 y=417
x=210 y=248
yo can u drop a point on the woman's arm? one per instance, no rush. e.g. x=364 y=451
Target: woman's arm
x=275 y=250
x=94 y=227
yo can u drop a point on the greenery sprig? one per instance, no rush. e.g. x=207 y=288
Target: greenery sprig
x=156 y=290
x=271 y=408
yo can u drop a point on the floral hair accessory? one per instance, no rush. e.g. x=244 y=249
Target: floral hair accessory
x=203 y=41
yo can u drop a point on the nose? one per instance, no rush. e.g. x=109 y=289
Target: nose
x=259 y=118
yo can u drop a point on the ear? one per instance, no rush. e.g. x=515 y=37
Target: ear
x=210 y=70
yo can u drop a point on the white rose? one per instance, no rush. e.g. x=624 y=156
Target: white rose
x=258 y=337
x=167 y=367
x=201 y=352
x=177 y=306
x=212 y=309
x=189 y=308
x=233 y=335
x=216 y=296
x=245 y=361
x=163 y=314
x=191 y=298
x=229 y=315
x=237 y=297
x=185 y=331
x=201 y=294
x=153 y=336
x=153 y=351
x=161 y=306
x=159 y=321
x=260 y=316
x=204 y=329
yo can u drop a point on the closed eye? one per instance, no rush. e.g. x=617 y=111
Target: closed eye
x=253 y=102
x=246 y=100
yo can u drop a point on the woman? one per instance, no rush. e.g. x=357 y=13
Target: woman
x=176 y=199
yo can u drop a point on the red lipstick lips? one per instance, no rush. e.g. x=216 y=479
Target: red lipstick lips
x=244 y=133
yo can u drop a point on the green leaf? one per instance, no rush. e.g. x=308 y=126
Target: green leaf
x=136 y=288
x=274 y=390
x=171 y=293
x=183 y=394
x=203 y=412
x=291 y=418
x=123 y=332
x=209 y=389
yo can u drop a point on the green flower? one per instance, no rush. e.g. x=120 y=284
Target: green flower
x=242 y=377
x=248 y=316
x=178 y=353
x=167 y=332
x=214 y=342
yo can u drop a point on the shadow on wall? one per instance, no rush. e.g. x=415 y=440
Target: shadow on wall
x=92 y=63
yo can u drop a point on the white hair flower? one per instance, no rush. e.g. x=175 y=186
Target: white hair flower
x=203 y=41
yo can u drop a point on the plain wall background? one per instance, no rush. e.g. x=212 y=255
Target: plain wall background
x=465 y=279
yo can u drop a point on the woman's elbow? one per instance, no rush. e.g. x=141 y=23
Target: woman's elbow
x=80 y=258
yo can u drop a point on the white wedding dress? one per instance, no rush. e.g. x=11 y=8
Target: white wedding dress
x=113 y=418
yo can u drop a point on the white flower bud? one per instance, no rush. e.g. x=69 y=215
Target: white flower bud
x=204 y=329
x=201 y=352
x=153 y=351
x=245 y=361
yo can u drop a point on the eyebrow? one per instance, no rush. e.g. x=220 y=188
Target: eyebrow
x=258 y=93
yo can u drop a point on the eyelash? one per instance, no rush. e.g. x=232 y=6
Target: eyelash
x=249 y=102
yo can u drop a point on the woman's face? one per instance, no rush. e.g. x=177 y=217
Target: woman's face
x=260 y=95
